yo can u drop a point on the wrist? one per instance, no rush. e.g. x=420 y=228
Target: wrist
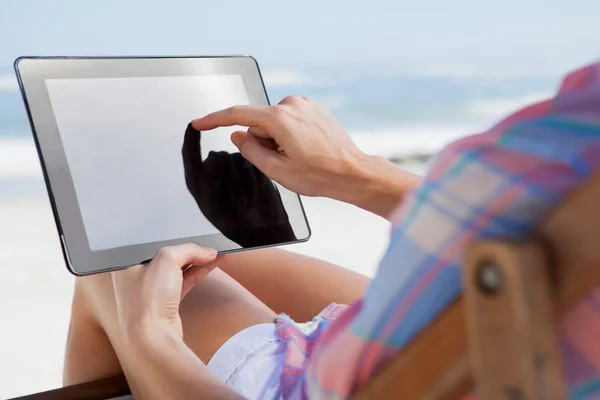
x=375 y=184
x=152 y=334
x=145 y=336
x=159 y=365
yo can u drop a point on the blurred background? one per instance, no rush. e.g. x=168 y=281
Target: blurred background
x=405 y=78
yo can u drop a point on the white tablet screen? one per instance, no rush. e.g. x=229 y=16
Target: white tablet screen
x=123 y=138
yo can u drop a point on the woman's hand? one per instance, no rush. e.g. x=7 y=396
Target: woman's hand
x=300 y=145
x=148 y=296
x=155 y=359
x=297 y=143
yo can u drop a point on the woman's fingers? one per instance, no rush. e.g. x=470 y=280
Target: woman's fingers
x=304 y=137
x=252 y=149
x=260 y=116
x=259 y=132
x=264 y=137
x=196 y=273
x=182 y=255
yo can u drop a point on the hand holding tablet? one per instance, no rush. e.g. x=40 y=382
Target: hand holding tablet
x=121 y=168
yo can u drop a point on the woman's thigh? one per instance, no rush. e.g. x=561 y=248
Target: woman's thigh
x=254 y=287
x=294 y=284
x=216 y=309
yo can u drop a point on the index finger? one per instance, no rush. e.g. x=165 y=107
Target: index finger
x=237 y=115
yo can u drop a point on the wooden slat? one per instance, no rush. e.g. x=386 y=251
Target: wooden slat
x=510 y=314
x=440 y=352
x=572 y=235
x=101 y=389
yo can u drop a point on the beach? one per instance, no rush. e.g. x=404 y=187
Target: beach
x=37 y=288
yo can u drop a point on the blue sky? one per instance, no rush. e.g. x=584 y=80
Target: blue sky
x=434 y=38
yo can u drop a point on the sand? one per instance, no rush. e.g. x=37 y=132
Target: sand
x=36 y=289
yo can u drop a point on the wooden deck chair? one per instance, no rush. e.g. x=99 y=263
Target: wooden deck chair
x=498 y=339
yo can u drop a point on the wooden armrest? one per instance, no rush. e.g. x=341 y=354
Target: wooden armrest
x=101 y=389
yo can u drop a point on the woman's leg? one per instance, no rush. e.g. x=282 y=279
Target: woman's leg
x=216 y=309
x=294 y=284
x=89 y=354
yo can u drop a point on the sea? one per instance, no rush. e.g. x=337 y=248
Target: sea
x=398 y=117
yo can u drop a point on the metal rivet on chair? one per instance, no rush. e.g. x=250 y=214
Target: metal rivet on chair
x=489 y=278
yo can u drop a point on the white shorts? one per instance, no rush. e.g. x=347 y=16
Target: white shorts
x=251 y=362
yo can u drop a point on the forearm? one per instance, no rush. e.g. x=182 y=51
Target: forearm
x=374 y=184
x=161 y=366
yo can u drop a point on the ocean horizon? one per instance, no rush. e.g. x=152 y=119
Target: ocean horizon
x=392 y=116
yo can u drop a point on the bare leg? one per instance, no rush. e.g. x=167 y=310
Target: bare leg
x=290 y=283
x=215 y=310
x=89 y=354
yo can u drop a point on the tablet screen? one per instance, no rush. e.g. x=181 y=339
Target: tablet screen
x=140 y=173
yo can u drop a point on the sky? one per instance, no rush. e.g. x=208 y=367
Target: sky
x=292 y=40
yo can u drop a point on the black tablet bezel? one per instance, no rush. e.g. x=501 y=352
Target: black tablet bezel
x=80 y=259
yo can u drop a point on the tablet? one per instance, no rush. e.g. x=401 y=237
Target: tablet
x=127 y=174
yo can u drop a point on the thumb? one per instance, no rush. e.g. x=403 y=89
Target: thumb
x=266 y=159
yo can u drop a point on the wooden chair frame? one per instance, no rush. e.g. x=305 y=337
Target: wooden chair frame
x=499 y=338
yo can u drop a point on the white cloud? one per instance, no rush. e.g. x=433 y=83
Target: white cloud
x=334 y=101
x=499 y=107
x=466 y=70
x=284 y=77
x=8 y=83
x=448 y=70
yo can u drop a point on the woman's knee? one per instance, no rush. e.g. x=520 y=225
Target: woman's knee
x=94 y=299
x=89 y=354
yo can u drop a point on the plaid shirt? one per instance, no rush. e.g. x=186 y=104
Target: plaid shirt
x=500 y=183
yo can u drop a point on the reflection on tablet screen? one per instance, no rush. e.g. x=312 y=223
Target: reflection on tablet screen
x=233 y=194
